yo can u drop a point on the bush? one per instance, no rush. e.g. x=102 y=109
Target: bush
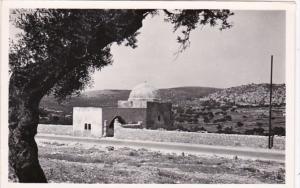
x=179 y=109
x=228 y=130
x=249 y=132
x=179 y=119
x=210 y=115
x=219 y=127
x=233 y=109
x=206 y=119
x=219 y=120
x=202 y=129
x=197 y=115
x=224 y=108
x=259 y=131
x=239 y=124
x=189 y=111
x=228 y=118
x=55 y=119
x=280 y=131
x=259 y=124
x=42 y=112
x=195 y=120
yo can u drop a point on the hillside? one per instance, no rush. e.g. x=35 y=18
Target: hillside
x=249 y=95
x=111 y=97
x=176 y=95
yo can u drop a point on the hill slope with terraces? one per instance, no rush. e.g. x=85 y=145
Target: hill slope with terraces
x=249 y=95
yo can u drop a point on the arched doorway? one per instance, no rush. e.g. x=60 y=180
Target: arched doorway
x=111 y=126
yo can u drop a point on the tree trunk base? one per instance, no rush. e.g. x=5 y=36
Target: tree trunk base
x=12 y=176
x=23 y=158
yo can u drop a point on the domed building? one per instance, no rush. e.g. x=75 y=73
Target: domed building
x=143 y=109
x=144 y=92
x=139 y=96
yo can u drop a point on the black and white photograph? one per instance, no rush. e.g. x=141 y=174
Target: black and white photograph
x=148 y=95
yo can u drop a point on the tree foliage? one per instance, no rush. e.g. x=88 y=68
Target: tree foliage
x=78 y=41
x=60 y=48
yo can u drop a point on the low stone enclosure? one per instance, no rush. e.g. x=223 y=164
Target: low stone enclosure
x=252 y=141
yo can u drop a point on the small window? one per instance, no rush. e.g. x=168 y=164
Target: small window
x=85 y=126
x=89 y=126
x=158 y=117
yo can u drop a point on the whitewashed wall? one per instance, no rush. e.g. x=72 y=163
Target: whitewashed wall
x=89 y=115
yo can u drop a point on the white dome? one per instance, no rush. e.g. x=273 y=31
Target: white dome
x=145 y=92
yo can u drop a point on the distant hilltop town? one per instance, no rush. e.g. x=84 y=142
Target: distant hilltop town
x=249 y=95
x=245 y=95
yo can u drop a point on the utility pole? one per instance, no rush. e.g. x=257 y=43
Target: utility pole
x=270 y=144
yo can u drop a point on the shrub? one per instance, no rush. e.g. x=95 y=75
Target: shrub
x=280 y=131
x=210 y=115
x=179 y=109
x=179 y=119
x=258 y=131
x=195 y=120
x=206 y=119
x=224 y=109
x=197 y=115
x=228 y=118
x=219 y=120
x=228 y=130
x=259 y=124
x=42 y=112
x=219 y=127
x=249 y=132
x=239 y=124
x=55 y=119
x=189 y=111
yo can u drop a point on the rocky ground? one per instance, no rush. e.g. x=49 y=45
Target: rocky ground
x=90 y=163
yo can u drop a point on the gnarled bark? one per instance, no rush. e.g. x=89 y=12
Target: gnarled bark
x=23 y=120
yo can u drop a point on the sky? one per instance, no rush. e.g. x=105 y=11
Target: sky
x=236 y=56
x=221 y=59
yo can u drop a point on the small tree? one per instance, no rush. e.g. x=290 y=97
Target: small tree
x=56 y=54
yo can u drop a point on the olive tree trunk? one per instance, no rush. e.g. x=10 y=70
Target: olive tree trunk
x=23 y=121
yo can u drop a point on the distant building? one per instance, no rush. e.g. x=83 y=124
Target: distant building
x=143 y=109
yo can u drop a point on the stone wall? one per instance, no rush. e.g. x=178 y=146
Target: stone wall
x=251 y=141
x=159 y=115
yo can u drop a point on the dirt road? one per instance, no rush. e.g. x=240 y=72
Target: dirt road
x=262 y=154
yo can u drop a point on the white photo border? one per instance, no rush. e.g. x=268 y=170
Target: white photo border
x=288 y=7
